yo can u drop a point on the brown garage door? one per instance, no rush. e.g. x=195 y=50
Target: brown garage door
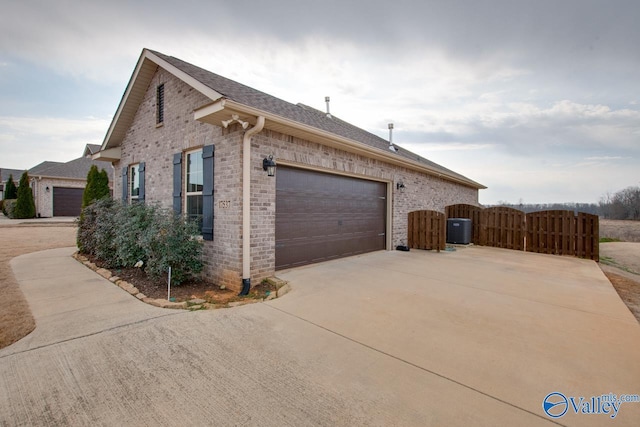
x=321 y=216
x=67 y=201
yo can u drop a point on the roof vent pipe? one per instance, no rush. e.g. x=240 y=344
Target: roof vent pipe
x=327 y=100
x=391 y=146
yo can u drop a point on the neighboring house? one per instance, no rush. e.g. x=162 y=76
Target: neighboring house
x=4 y=177
x=91 y=149
x=188 y=139
x=58 y=187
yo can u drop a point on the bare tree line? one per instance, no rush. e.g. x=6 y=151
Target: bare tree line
x=624 y=204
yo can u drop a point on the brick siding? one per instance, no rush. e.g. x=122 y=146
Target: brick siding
x=156 y=145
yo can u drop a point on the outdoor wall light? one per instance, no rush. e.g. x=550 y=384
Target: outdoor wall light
x=47 y=189
x=400 y=186
x=269 y=165
x=235 y=118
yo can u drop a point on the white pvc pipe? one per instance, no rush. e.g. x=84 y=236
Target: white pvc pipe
x=246 y=198
x=169 y=285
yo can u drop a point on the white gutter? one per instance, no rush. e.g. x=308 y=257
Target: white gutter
x=246 y=204
x=326 y=138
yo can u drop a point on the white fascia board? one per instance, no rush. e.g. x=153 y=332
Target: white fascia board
x=108 y=155
x=196 y=84
x=208 y=110
x=333 y=140
x=145 y=59
x=123 y=101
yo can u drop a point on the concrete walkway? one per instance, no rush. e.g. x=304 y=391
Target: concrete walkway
x=58 y=220
x=475 y=337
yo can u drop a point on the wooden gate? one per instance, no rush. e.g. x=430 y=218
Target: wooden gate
x=563 y=233
x=426 y=230
x=502 y=227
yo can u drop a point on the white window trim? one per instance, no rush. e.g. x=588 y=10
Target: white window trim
x=130 y=182
x=186 y=179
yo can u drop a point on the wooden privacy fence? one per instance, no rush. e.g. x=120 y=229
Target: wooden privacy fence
x=502 y=227
x=467 y=211
x=549 y=232
x=563 y=233
x=426 y=230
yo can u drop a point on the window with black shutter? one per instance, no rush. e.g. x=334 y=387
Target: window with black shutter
x=197 y=167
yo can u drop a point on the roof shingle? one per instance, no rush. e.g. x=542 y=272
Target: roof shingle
x=298 y=112
x=75 y=169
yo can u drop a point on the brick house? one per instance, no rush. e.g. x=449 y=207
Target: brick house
x=58 y=186
x=195 y=142
x=5 y=173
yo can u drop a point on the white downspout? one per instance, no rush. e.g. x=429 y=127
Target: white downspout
x=246 y=204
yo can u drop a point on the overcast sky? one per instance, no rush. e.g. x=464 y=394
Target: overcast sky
x=538 y=100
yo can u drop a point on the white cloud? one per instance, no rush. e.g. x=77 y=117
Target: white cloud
x=509 y=98
x=27 y=141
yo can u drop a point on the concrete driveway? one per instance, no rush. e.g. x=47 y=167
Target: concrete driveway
x=474 y=337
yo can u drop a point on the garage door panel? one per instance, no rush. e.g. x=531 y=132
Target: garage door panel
x=67 y=201
x=300 y=252
x=320 y=216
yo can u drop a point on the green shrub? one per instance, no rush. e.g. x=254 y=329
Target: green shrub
x=137 y=219
x=25 y=206
x=121 y=236
x=97 y=231
x=172 y=243
x=8 y=207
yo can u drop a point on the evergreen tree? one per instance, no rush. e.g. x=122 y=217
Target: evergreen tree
x=89 y=194
x=102 y=189
x=25 y=206
x=97 y=186
x=10 y=190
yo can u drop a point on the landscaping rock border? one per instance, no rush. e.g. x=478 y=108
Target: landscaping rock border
x=194 y=304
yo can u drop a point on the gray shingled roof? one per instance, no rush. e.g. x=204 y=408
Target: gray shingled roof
x=91 y=149
x=16 y=173
x=77 y=169
x=299 y=113
x=40 y=167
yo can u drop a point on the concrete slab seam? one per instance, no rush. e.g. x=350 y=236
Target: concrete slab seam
x=418 y=367
x=90 y=334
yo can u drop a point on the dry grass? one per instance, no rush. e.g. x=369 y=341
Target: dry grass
x=623 y=256
x=16 y=320
x=629 y=291
x=626 y=231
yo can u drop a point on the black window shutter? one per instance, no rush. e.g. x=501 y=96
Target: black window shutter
x=177 y=183
x=208 y=155
x=141 y=182
x=125 y=184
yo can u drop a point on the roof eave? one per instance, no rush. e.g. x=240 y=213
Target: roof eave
x=108 y=155
x=136 y=90
x=65 y=178
x=221 y=110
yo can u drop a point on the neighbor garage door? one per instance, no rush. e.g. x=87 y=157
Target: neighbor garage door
x=322 y=216
x=67 y=201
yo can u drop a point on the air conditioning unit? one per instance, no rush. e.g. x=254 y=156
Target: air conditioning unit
x=459 y=231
